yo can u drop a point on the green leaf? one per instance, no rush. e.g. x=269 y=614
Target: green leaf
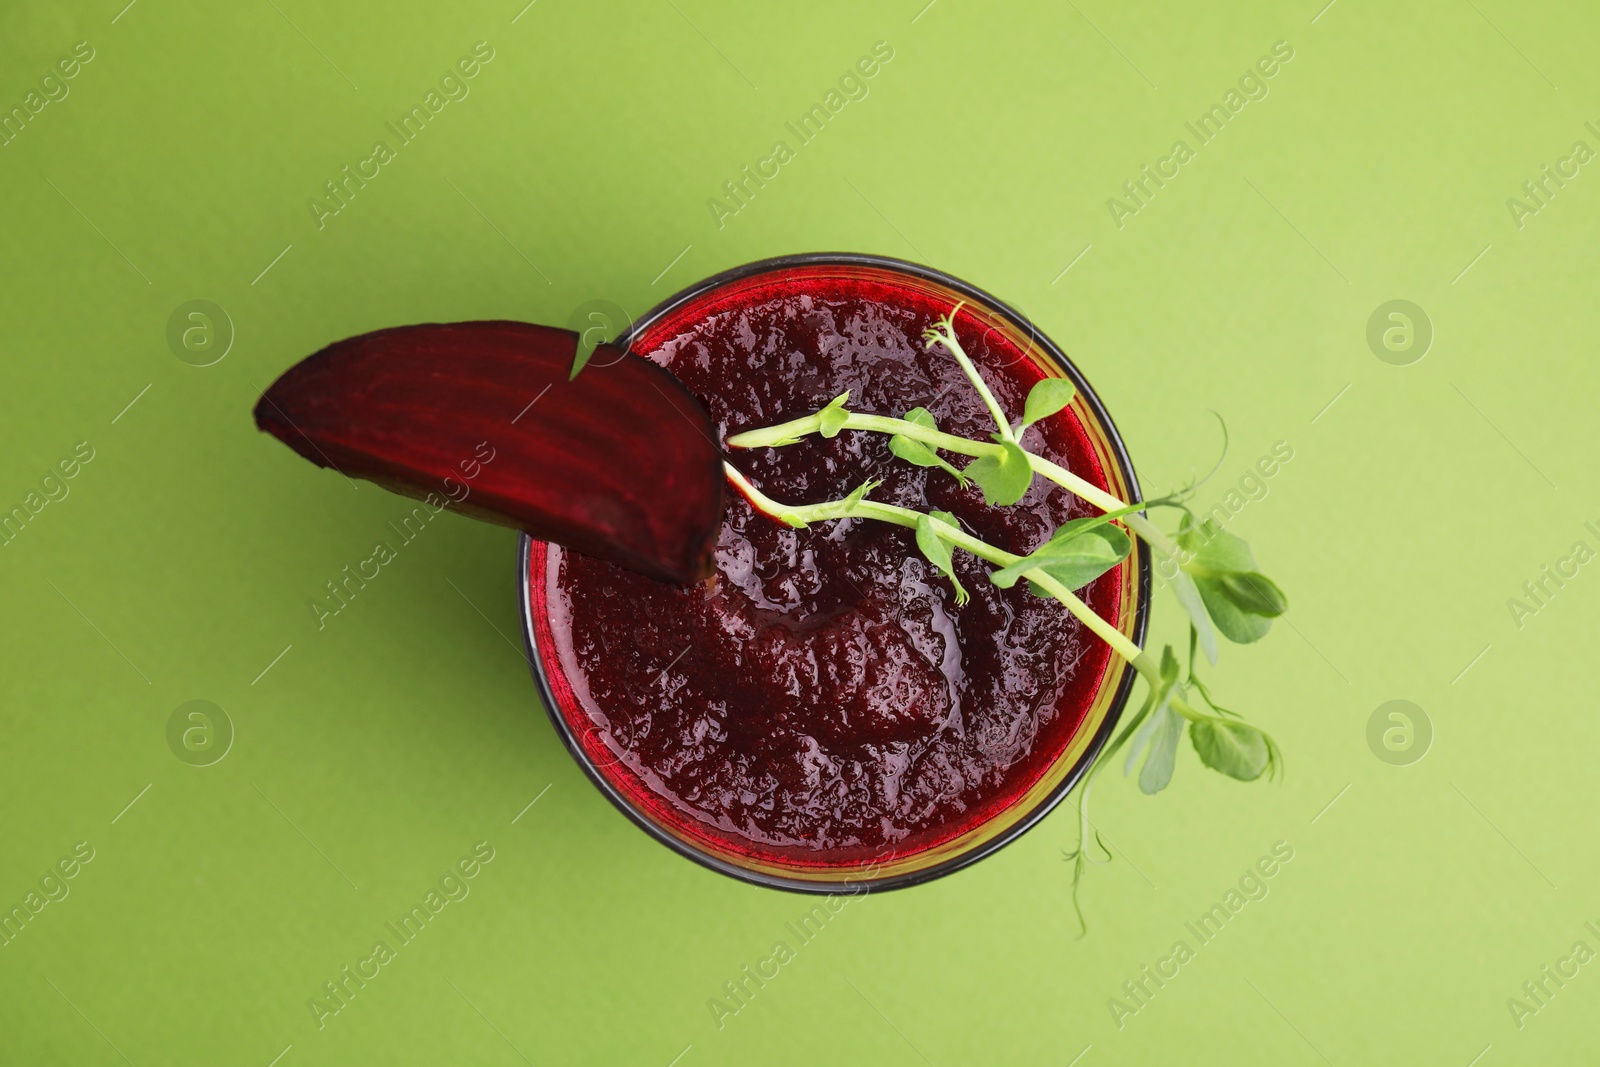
x=1129 y=729
x=859 y=493
x=1074 y=560
x=1073 y=569
x=832 y=418
x=838 y=509
x=1073 y=576
x=1114 y=536
x=1189 y=596
x=1222 y=567
x=937 y=549
x=1163 y=721
x=1169 y=667
x=1214 y=549
x=1254 y=593
x=1098 y=525
x=1147 y=729
x=1072 y=557
x=932 y=545
x=915 y=452
x=1233 y=622
x=1048 y=396
x=1233 y=748
x=1168 y=731
x=1159 y=735
x=1003 y=477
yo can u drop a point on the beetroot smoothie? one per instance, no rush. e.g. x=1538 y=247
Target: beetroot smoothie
x=822 y=701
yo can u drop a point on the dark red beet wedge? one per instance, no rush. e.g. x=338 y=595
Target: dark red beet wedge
x=620 y=463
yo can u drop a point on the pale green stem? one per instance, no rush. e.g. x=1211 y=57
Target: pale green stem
x=1103 y=500
x=788 y=431
x=1182 y=707
x=872 y=509
x=946 y=333
x=785 y=432
x=1119 y=641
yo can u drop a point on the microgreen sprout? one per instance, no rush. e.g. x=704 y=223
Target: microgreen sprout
x=1211 y=571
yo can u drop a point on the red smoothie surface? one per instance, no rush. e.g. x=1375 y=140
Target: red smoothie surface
x=823 y=700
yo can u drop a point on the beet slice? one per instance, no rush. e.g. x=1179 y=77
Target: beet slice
x=620 y=463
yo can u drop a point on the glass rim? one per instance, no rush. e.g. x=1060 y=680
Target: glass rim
x=1028 y=819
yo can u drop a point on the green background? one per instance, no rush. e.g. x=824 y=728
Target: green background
x=369 y=756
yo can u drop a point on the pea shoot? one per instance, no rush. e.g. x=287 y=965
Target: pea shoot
x=1211 y=571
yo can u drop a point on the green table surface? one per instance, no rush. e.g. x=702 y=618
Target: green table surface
x=1384 y=159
